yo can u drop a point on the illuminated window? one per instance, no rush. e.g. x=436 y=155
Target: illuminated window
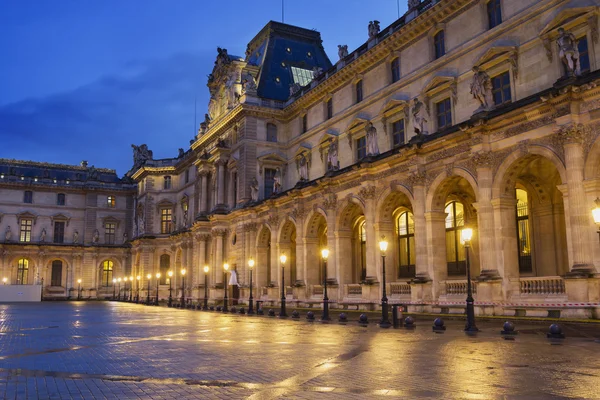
x=361 y=148
x=22 y=271
x=362 y=235
x=494 y=12
x=25 y=231
x=167 y=183
x=111 y=201
x=444 y=114
x=439 y=45
x=60 y=199
x=28 y=197
x=165 y=220
x=398 y=132
x=165 y=266
x=524 y=233
x=455 y=250
x=501 y=88
x=395 y=69
x=107 y=273
x=302 y=76
x=406 y=245
x=110 y=229
x=358 y=88
x=271 y=133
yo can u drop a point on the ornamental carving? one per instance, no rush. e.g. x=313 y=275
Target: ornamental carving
x=418 y=178
x=484 y=159
x=273 y=220
x=298 y=213
x=251 y=227
x=463 y=148
x=527 y=126
x=219 y=232
x=590 y=105
x=330 y=202
x=367 y=193
x=203 y=237
x=574 y=133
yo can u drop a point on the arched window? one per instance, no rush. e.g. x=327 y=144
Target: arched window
x=165 y=266
x=439 y=44
x=362 y=237
x=271 y=133
x=107 y=273
x=322 y=234
x=395 y=66
x=56 y=278
x=406 y=245
x=22 y=271
x=455 y=251
x=524 y=233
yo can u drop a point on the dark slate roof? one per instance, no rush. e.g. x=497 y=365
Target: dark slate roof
x=269 y=49
x=60 y=172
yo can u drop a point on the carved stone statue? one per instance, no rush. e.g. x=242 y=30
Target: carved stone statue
x=185 y=219
x=75 y=237
x=420 y=117
x=481 y=89
x=413 y=3
x=212 y=107
x=125 y=237
x=373 y=29
x=332 y=156
x=207 y=120
x=231 y=87
x=277 y=182
x=317 y=71
x=342 y=51
x=303 y=168
x=140 y=221
x=180 y=153
x=96 y=237
x=141 y=154
x=254 y=189
x=372 y=145
x=43 y=235
x=174 y=221
x=568 y=52
x=7 y=234
x=249 y=84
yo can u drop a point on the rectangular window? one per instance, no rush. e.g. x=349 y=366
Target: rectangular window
x=359 y=91
x=59 y=232
x=271 y=133
x=187 y=176
x=235 y=188
x=165 y=220
x=444 y=114
x=398 y=132
x=304 y=123
x=28 y=197
x=302 y=76
x=501 y=88
x=110 y=229
x=167 y=183
x=584 y=54
x=395 y=69
x=25 y=233
x=329 y=108
x=269 y=175
x=361 y=148
x=438 y=42
x=494 y=13
x=60 y=199
x=111 y=202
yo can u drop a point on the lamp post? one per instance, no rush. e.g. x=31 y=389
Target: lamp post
x=466 y=236
x=125 y=289
x=226 y=286
x=148 y=291
x=137 y=291
x=251 y=299
x=114 y=286
x=131 y=288
x=119 y=289
x=79 y=289
x=183 y=271
x=385 y=322
x=157 y=280
x=325 y=316
x=596 y=214
x=282 y=313
x=170 y=274
x=205 y=288
x=4 y=280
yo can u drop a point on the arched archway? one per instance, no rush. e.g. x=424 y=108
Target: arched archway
x=352 y=243
x=315 y=239
x=287 y=246
x=263 y=257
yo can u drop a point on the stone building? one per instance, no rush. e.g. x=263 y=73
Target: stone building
x=60 y=224
x=462 y=113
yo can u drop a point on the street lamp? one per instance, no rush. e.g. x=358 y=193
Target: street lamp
x=385 y=322
x=4 y=280
x=137 y=292
x=170 y=273
x=79 y=289
x=114 y=286
x=226 y=286
x=205 y=288
x=131 y=288
x=148 y=291
x=183 y=271
x=596 y=214
x=251 y=299
x=282 y=313
x=119 y=289
x=466 y=235
x=125 y=289
x=157 y=280
x=325 y=316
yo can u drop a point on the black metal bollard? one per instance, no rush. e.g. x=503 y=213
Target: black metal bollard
x=508 y=329
x=438 y=325
x=343 y=318
x=409 y=322
x=295 y=314
x=271 y=312
x=395 y=321
x=310 y=316
x=211 y=308
x=555 y=332
x=363 y=320
x=242 y=310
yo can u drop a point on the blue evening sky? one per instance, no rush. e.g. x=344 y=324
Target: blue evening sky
x=86 y=79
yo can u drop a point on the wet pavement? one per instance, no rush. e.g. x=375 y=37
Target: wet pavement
x=101 y=350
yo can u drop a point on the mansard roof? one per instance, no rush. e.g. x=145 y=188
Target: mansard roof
x=60 y=172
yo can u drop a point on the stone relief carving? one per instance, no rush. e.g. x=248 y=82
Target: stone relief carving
x=575 y=133
x=249 y=84
x=273 y=220
x=43 y=235
x=371 y=135
x=141 y=154
x=96 y=237
x=568 y=52
x=367 y=193
x=342 y=51
x=413 y=3
x=481 y=89
x=76 y=237
x=254 y=189
x=374 y=29
x=333 y=163
x=330 y=201
x=219 y=232
x=277 y=182
x=420 y=117
x=7 y=234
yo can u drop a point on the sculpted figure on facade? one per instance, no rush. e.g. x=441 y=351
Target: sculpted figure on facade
x=303 y=168
x=333 y=163
x=43 y=235
x=249 y=84
x=185 y=218
x=212 y=107
x=96 y=237
x=568 y=52
x=316 y=72
x=254 y=189
x=277 y=182
x=125 y=237
x=75 y=237
x=371 y=135
x=8 y=234
x=481 y=89
x=342 y=51
x=413 y=3
x=141 y=154
x=373 y=29
x=420 y=117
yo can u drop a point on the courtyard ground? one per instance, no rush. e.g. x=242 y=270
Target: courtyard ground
x=98 y=350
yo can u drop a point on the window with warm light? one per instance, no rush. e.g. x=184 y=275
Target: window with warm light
x=22 y=271
x=165 y=220
x=26 y=225
x=523 y=233
x=455 y=251
x=362 y=236
x=107 y=273
x=406 y=245
x=165 y=266
x=111 y=201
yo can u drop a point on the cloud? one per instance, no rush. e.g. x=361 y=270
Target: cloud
x=150 y=102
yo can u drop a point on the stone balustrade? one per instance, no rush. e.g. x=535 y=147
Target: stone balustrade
x=459 y=287
x=545 y=285
x=317 y=290
x=353 y=290
x=399 y=289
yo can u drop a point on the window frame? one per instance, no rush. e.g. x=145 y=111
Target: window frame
x=360 y=145
x=588 y=53
x=271 y=133
x=111 y=201
x=61 y=199
x=404 y=239
x=167 y=182
x=493 y=14
x=166 y=220
x=107 y=273
x=502 y=87
x=448 y=110
x=394 y=132
x=395 y=69
x=28 y=197
x=460 y=268
x=25 y=235
x=268 y=181
x=53 y=282
x=110 y=232
x=59 y=234
x=329 y=108
x=439 y=44
x=359 y=91
x=22 y=271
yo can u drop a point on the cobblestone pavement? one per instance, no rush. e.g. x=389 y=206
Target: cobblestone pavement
x=100 y=350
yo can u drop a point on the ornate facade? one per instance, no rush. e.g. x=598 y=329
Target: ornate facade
x=462 y=113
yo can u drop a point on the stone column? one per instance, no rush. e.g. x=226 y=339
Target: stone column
x=218 y=236
x=485 y=215
x=436 y=249
x=203 y=191
x=220 y=181
x=507 y=252
x=275 y=275
x=372 y=256
x=573 y=136
x=231 y=190
x=300 y=248
x=335 y=257
x=418 y=207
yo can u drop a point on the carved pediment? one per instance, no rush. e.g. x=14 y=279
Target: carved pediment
x=440 y=83
x=497 y=55
x=27 y=215
x=568 y=18
x=271 y=160
x=357 y=125
x=304 y=148
x=111 y=220
x=60 y=218
x=164 y=203
x=393 y=106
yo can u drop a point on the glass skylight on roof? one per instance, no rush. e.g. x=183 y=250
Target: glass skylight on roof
x=302 y=76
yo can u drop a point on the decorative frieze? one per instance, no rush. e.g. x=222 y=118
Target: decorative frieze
x=446 y=153
x=574 y=133
x=219 y=232
x=367 y=193
x=330 y=202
